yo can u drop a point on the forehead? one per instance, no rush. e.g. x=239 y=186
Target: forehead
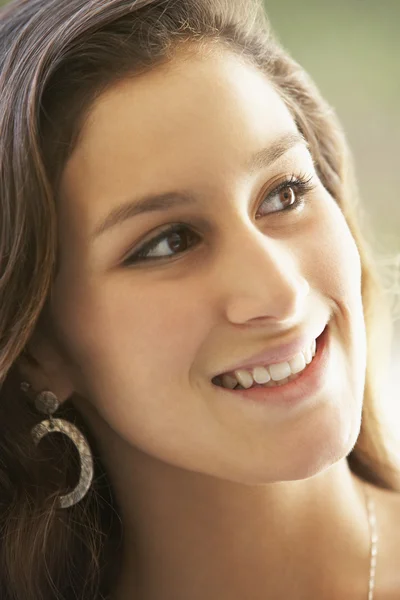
x=191 y=122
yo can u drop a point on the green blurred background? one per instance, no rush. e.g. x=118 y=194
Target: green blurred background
x=351 y=48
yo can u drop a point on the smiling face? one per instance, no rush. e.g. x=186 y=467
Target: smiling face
x=144 y=337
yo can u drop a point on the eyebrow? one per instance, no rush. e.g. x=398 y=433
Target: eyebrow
x=165 y=201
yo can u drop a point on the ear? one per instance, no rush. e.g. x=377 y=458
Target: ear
x=42 y=365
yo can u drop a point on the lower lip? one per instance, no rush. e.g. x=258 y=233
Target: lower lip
x=309 y=382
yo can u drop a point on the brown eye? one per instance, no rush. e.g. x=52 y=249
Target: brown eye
x=179 y=238
x=287 y=196
x=177 y=241
x=173 y=241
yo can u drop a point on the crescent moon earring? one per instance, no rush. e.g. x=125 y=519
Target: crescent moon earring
x=46 y=402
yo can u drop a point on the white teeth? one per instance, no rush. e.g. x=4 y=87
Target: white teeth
x=261 y=375
x=297 y=363
x=308 y=355
x=280 y=371
x=244 y=378
x=276 y=372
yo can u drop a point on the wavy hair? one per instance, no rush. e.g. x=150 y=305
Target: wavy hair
x=56 y=58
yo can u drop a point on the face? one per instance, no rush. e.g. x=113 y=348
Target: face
x=144 y=335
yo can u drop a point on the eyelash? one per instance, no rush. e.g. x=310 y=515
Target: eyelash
x=302 y=183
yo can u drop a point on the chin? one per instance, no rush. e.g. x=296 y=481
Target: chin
x=299 y=456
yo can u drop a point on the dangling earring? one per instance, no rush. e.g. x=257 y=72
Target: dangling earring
x=46 y=402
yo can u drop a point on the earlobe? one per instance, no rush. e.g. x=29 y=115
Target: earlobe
x=40 y=366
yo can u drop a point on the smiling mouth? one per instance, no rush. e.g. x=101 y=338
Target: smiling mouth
x=217 y=380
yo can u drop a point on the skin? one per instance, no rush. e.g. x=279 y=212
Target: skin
x=218 y=499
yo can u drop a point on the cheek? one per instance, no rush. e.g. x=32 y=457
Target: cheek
x=335 y=257
x=134 y=349
x=123 y=335
x=338 y=261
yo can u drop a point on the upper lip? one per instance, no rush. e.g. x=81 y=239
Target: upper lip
x=282 y=353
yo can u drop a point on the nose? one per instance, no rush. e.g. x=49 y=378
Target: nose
x=262 y=280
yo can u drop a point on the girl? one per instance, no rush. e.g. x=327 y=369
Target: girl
x=188 y=356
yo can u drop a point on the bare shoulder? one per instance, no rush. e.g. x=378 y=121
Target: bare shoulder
x=387 y=508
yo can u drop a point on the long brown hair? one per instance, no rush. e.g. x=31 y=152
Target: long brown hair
x=56 y=57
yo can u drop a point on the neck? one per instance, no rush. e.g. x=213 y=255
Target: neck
x=189 y=535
